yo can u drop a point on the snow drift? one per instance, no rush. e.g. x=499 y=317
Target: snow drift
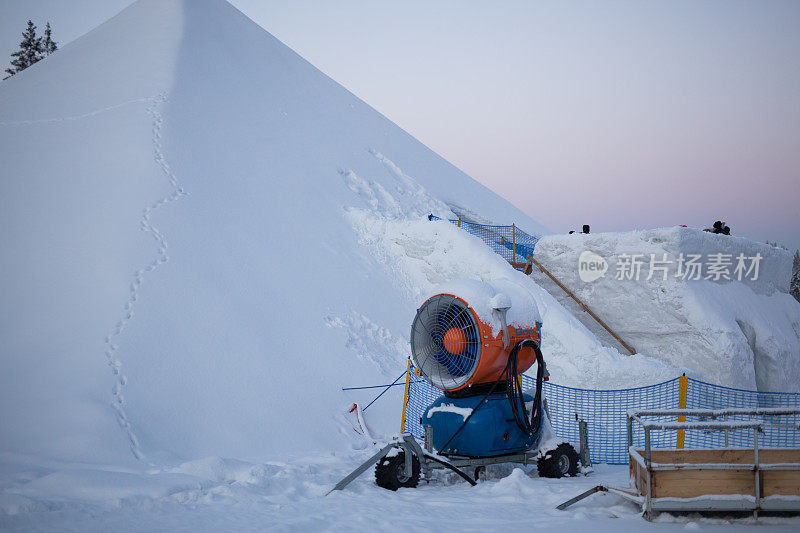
x=176 y=240
x=732 y=328
x=206 y=238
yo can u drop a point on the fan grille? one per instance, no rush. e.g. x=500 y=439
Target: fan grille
x=445 y=341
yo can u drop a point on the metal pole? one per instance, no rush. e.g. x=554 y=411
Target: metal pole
x=514 y=241
x=757 y=473
x=649 y=495
x=583 y=433
x=682 y=389
x=405 y=398
x=429 y=438
x=630 y=431
x=727 y=431
x=426 y=469
x=363 y=468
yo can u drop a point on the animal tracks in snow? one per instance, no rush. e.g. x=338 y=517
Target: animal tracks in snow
x=370 y=341
x=146 y=225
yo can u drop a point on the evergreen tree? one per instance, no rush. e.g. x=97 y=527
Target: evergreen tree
x=794 y=286
x=30 y=51
x=48 y=45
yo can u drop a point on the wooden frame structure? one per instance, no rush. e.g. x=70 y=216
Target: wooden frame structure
x=729 y=479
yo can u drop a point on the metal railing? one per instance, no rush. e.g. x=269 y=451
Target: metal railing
x=708 y=421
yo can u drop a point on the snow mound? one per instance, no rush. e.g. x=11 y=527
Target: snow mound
x=743 y=331
x=183 y=275
x=427 y=258
x=218 y=238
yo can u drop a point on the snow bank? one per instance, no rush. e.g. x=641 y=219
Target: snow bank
x=427 y=258
x=182 y=275
x=79 y=134
x=290 y=496
x=742 y=333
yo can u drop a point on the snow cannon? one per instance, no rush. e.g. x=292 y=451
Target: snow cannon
x=465 y=346
x=455 y=349
x=473 y=340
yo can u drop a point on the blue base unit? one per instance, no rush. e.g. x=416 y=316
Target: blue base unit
x=490 y=431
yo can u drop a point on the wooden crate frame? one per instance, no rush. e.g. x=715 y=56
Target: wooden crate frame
x=728 y=479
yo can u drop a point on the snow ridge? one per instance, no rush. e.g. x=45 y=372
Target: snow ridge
x=162 y=257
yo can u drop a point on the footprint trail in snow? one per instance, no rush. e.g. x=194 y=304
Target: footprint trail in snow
x=161 y=257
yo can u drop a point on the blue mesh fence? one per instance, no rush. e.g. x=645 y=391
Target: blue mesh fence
x=781 y=433
x=503 y=240
x=605 y=412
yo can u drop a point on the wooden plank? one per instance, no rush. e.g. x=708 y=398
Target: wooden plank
x=786 y=483
x=642 y=480
x=726 y=455
x=638 y=476
x=693 y=483
x=632 y=471
x=633 y=474
x=527 y=268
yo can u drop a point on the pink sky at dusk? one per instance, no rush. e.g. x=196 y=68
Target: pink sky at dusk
x=622 y=115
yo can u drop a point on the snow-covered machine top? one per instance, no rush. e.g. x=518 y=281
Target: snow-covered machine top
x=463 y=335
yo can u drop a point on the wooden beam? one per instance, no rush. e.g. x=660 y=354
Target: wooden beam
x=583 y=305
x=681 y=483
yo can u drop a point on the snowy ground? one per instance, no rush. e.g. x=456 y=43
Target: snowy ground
x=226 y=495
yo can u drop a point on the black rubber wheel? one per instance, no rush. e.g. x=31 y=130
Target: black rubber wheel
x=389 y=472
x=563 y=461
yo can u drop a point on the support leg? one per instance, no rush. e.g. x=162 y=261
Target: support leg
x=363 y=468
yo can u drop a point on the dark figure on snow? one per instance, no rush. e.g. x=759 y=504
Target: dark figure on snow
x=717 y=227
x=586 y=229
x=726 y=230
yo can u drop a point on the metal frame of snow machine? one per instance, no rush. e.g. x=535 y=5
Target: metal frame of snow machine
x=402 y=462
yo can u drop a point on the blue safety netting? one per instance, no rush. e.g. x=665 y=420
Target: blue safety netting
x=781 y=431
x=605 y=412
x=510 y=242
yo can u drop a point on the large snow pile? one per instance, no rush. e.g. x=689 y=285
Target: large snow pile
x=206 y=238
x=736 y=325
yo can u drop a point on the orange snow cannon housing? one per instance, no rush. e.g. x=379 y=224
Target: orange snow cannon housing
x=454 y=349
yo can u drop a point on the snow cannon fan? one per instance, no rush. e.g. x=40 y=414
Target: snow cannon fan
x=455 y=350
x=483 y=412
x=473 y=355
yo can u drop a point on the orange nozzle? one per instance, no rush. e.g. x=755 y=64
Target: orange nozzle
x=455 y=341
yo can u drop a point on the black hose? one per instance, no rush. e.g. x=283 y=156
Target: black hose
x=448 y=465
x=515 y=394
